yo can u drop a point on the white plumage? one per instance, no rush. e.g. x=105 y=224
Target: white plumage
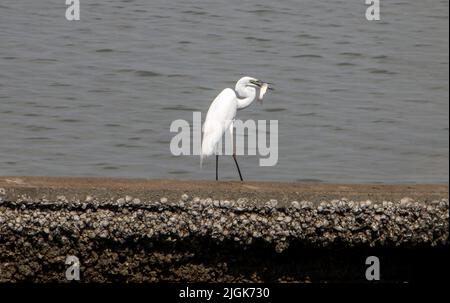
x=219 y=118
x=222 y=112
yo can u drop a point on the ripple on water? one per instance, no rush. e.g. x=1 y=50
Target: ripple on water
x=37 y=138
x=195 y=13
x=345 y=64
x=300 y=80
x=261 y=11
x=418 y=101
x=351 y=54
x=69 y=120
x=134 y=138
x=204 y=88
x=113 y=125
x=368 y=108
x=59 y=84
x=310 y=114
x=336 y=90
x=250 y=38
x=110 y=167
x=104 y=50
x=175 y=76
x=146 y=131
x=271 y=110
x=380 y=57
x=147 y=73
x=307 y=56
x=31 y=115
x=139 y=73
x=126 y=145
x=308 y=36
x=100 y=90
x=387 y=121
x=161 y=141
x=43 y=60
x=381 y=71
x=38 y=128
x=180 y=107
x=91 y=106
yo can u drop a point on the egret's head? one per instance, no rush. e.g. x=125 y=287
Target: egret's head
x=251 y=82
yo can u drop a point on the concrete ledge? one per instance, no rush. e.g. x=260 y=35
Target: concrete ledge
x=165 y=230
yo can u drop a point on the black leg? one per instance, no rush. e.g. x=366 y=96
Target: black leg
x=234 y=154
x=217 y=167
x=237 y=165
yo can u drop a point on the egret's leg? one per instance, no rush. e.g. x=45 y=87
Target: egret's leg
x=234 y=151
x=217 y=167
x=237 y=165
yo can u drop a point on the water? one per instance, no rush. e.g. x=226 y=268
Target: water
x=356 y=101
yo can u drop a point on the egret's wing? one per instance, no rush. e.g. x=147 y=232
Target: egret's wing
x=218 y=119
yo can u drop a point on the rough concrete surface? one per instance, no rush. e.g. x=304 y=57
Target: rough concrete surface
x=137 y=230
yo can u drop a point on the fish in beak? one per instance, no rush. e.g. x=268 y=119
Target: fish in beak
x=263 y=87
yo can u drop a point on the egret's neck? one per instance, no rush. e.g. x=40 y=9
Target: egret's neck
x=245 y=96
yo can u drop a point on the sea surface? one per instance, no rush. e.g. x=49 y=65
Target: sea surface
x=356 y=101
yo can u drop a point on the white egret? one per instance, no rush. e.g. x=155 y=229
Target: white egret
x=222 y=112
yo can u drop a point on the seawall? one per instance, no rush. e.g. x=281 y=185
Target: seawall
x=140 y=230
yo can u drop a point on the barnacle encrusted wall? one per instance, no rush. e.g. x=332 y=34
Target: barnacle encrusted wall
x=130 y=234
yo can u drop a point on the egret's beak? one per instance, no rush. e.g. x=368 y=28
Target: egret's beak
x=260 y=83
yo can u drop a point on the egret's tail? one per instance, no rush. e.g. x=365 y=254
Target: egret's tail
x=208 y=146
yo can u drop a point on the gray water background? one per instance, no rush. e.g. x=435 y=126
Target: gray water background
x=357 y=101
